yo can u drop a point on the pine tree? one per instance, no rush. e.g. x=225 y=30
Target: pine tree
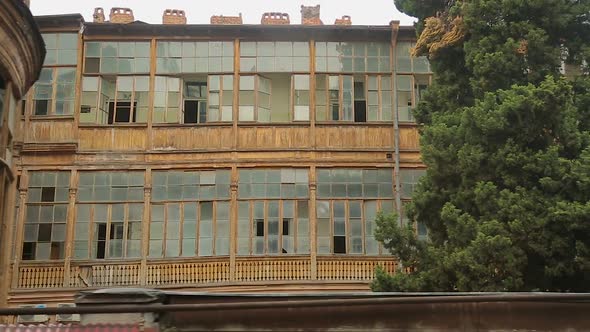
x=506 y=139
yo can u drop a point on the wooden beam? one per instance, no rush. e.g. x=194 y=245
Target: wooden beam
x=145 y=226
x=313 y=222
x=70 y=226
x=24 y=183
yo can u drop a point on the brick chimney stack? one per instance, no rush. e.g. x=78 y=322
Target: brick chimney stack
x=275 y=19
x=121 y=15
x=174 y=16
x=226 y=20
x=98 y=15
x=345 y=20
x=310 y=15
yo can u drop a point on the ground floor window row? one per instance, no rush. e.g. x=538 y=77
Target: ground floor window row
x=190 y=212
x=190 y=229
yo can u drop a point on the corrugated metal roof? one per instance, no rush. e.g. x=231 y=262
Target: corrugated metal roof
x=71 y=328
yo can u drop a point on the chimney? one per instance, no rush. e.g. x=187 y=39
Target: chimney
x=121 y=15
x=345 y=20
x=310 y=15
x=226 y=20
x=275 y=19
x=98 y=15
x=174 y=16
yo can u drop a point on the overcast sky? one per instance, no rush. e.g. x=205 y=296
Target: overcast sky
x=367 y=12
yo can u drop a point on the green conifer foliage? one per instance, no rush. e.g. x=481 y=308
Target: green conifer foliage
x=506 y=139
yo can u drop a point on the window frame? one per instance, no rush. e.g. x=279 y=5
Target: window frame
x=91 y=239
x=331 y=219
x=52 y=101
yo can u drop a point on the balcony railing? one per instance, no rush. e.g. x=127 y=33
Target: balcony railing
x=201 y=271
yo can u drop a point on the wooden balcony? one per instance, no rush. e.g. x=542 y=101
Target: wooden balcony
x=198 y=272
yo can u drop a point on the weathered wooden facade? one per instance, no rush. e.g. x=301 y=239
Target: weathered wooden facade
x=21 y=58
x=220 y=157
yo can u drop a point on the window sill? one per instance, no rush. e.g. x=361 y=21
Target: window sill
x=69 y=117
x=111 y=126
x=192 y=125
x=352 y=124
x=274 y=124
x=105 y=261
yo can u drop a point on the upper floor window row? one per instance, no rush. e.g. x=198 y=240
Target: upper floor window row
x=353 y=57
x=173 y=57
x=117 y=57
x=62 y=48
x=195 y=57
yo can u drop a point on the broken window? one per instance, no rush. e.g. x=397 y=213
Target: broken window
x=113 y=100
x=46 y=216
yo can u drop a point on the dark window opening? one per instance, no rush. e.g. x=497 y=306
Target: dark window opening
x=259 y=227
x=121 y=113
x=84 y=109
x=335 y=111
x=28 y=251
x=360 y=111
x=340 y=244
x=101 y=243
x=286 y=223
x=92 y=65
x=360 y=102
x=195 y=103
x=191 y=108
x=48 y=194
x=57 y=249
x=23 y=107
x=41 y=106
x=44 y=234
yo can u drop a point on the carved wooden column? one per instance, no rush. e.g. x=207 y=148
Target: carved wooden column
x=18 y=240
x=71 y=226
x=145 y=227
x=233 y=247
x=313 y=223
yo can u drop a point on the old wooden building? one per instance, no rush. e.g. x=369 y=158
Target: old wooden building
x=218 y=157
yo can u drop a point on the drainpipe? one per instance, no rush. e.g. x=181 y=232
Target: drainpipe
x=397 y=191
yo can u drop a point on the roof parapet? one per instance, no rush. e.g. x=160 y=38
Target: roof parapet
x=274 y=18
x=174 y=16
x=121 y=15
x=226 y=20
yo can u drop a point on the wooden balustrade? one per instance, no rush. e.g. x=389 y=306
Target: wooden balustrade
x=188 y=273
x=202 y=271
x=358 y=269
x=105 y=275
x=273 y=269
x=41 y=277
